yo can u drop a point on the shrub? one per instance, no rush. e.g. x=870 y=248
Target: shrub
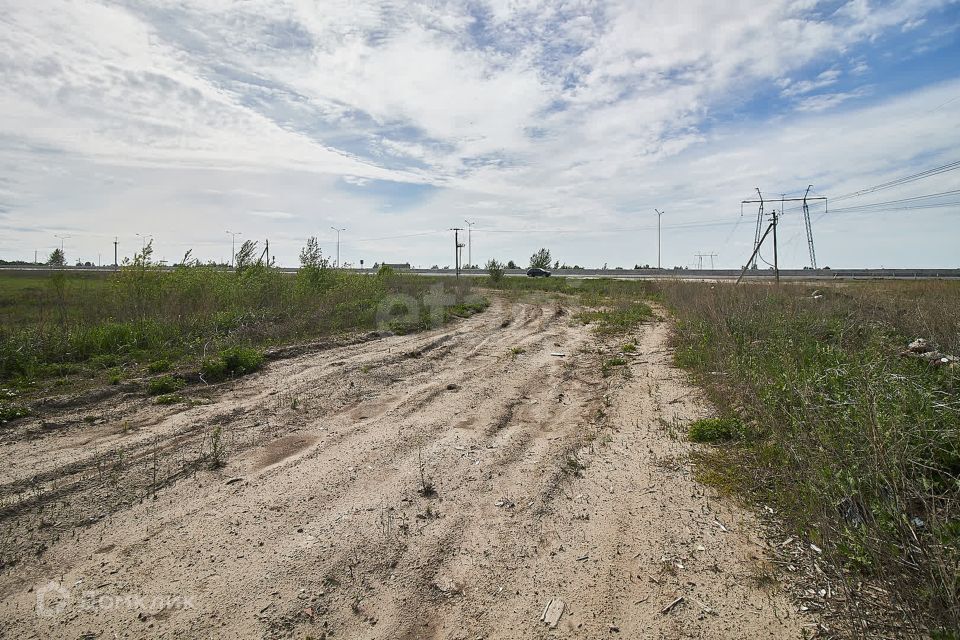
x=495 y=269
x=169 y=398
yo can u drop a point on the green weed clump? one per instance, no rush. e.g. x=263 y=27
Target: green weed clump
x=168 y=399
x=231 y=363
x=11 y=411
x=165 y=385
x=714 y=430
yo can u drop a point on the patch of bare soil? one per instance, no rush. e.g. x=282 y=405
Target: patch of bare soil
x=436 y=485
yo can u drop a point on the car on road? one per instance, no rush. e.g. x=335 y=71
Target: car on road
x=537 y=272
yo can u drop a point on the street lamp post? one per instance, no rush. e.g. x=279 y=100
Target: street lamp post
x=659 y=213
x=338 y=230
x=233 y=246
x=469 y=243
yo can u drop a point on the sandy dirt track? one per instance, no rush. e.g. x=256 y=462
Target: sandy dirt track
x=551 y=482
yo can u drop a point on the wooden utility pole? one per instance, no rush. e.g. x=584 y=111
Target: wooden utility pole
x=456 y=249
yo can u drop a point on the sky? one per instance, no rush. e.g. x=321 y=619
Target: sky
x=557 y=124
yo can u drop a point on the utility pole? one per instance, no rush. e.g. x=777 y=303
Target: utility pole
x=774 y=219
x=456 y=248
x=469 y=243
x=233 y=246
x=115 y=241
x=62 y=238
x=338 y=243
x=659 y=213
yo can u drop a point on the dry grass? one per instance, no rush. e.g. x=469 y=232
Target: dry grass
x=857 y=446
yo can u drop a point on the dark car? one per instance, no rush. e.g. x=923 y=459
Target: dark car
x=537 y=272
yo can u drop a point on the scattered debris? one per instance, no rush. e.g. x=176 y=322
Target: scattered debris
x=720 y=524
x=505 y=503
x=670 y=606
x=558 y=354
x=552 y=612
x=923 y=350
x=815 y=548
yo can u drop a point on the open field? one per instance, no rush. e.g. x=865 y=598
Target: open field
x=442 y=484
x=450 y=478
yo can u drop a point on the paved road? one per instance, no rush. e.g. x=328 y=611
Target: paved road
x=636 y=274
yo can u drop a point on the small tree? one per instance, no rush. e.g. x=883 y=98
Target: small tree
x=311 y=257
x=495 y=269
x=57 y=258
x=244 y=258
x=511 y=264
x=541 y=259
x=314 y=269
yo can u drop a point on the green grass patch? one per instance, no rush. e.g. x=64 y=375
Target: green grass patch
x=165 y=385
x=168 y=399
x=231 y=363
x=714 y=430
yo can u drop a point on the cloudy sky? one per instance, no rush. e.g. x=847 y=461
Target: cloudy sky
x=547 y=123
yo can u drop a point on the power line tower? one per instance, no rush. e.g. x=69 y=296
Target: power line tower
x=806 y=221
x=116 y=264
x=774 y=218
x=756 y=233
x=701 y=256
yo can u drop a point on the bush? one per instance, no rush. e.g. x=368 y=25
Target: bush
x=169 y=398
x=165 y=384
x=232 y=362
x=495 y=269
x=714 y=430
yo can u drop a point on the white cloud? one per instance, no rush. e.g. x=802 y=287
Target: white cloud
x=539 y=114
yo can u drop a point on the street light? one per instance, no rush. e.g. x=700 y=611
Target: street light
x=233 y=246
x=469 y=243
x=659 y=213
x=143 y=239
x=338 y=230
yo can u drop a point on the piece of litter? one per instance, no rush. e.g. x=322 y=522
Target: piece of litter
x=670 y=606
x=552 y=612
x=815 y=548
x=720 y=524
x=558 y=354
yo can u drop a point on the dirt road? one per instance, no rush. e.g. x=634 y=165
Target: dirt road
x=546 y=481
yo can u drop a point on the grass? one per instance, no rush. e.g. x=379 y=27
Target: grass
x=68 y=327
x=165 y=385
x=856 y=446
x=714 y=430
x=231 y=362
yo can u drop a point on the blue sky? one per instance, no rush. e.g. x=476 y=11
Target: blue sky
x=557 y=124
